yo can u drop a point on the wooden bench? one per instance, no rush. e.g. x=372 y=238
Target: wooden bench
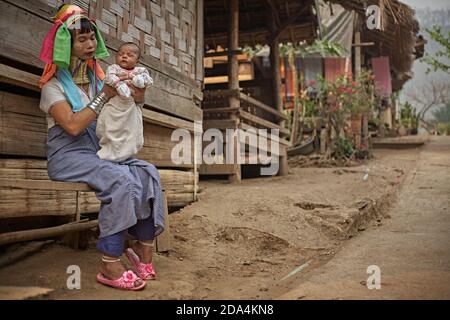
x=76 y=226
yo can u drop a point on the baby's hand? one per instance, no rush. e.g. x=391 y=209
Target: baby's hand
x=138 y=82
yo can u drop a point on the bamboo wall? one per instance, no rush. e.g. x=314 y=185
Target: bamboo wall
x=164 y=29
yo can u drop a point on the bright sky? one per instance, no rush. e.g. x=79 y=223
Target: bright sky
x=432 y=4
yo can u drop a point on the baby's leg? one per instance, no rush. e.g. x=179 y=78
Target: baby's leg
x=123 y=89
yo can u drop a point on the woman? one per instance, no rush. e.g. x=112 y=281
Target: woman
x=130 y=192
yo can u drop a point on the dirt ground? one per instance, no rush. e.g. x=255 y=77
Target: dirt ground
x=411 y=250
x=243 y=241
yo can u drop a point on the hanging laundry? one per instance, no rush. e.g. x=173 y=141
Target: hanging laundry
x=382 y=72
x=336 y=67
x=312 y=68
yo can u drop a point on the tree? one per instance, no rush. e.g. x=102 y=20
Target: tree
x=442 y=114
x=436 y=62
x=433 y=94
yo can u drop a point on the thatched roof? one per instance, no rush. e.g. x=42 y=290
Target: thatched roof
x=294 y=17
x=399 y=38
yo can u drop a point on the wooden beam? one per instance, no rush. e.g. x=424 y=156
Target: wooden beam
x=285 y=25
x=19 y=78
x=217 y=94
x=166 y=120
x=18 y=236
x=262 y=122
x=224 y=53
x=274 y=13
x=44 y=185
x=220 y=110
x=233 y=76
x=262 y=106
x=217 y=169
x=364 y=44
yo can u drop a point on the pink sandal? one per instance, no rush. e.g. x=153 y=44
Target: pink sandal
x=125 y=282
x=144 y=270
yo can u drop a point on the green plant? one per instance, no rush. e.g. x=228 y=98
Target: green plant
x=409 y=117
x=343 y=147
x=437 y=61
x=443 y=128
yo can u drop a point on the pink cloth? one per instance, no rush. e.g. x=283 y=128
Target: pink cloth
x=382 y=72
x=46 y=54
x=336 y=67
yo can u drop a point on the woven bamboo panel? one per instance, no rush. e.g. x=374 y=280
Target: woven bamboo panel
x=179 y=186
x=164 y=29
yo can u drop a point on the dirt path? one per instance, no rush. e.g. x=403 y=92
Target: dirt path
x=242 y=241
x=412 y=249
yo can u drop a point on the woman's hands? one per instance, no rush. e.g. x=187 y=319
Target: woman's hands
x=111 y=92
x=137 y=93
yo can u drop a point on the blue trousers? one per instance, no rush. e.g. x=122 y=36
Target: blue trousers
x=113 y=245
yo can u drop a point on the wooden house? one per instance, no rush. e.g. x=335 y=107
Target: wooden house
x=250 y=96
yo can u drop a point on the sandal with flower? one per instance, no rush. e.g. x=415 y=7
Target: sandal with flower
x=143 y=270
x=126 y=282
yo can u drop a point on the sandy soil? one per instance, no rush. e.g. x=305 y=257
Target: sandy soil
x=242 y=241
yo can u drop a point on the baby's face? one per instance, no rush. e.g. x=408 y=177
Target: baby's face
x=127 y=57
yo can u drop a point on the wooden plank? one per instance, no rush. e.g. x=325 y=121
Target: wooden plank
x=165 y=120
x=217 y=94
x=282 y=141
x=27 y=235
x=18 y=77
x=217 y=169
x=43 y=185
x=163 y=240
x=220 y=110
x=264 y=123
x=219 y=124
x=262 y=106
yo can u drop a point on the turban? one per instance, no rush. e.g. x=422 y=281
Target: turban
x=56 y=48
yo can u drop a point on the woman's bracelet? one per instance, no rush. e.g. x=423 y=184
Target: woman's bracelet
x=98 y=102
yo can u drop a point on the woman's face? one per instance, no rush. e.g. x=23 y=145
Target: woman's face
x=84 y=45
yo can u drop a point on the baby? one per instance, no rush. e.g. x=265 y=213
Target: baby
x=119 y=125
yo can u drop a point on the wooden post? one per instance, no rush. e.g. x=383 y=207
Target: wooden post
x=163 y=240
x=359 y=118
x=276 y=84
x=200 y=69
x=76 y=238
x=276 y=77
x=233 y=76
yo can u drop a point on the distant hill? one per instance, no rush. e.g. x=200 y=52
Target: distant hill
x=427 y=19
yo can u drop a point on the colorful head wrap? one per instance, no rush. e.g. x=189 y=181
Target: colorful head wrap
x=56 y=53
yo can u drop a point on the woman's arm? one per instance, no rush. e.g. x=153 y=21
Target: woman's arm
x=75 y=122
x=138 y=93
